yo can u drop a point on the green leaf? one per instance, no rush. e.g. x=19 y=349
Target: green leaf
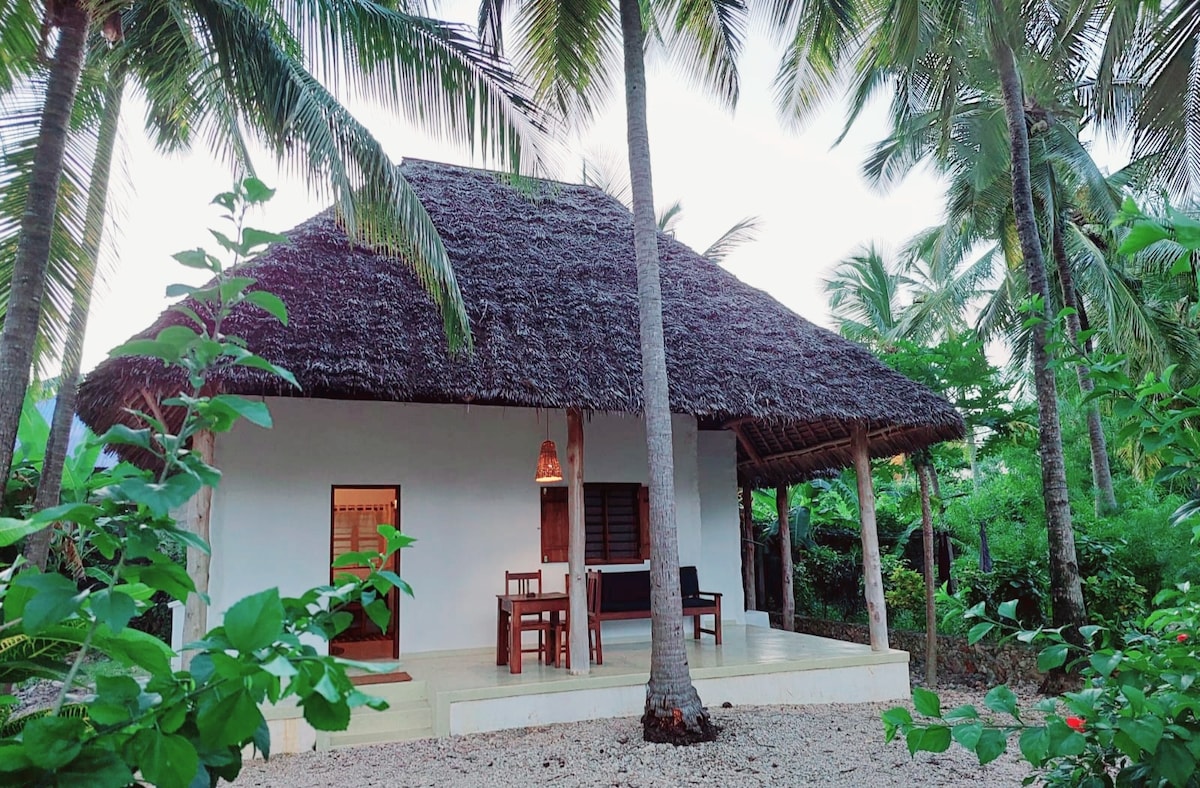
x=967 y=735
x=1141 y=235
x=935 y=738
x=161 y=497
x=13 y=530
x=167 y=761
x=52 y=742
x=194 y=258
x=897 y=715
x=227 y=720
x=1009 y=610
x=326 y=716
x=146 y=347
x=262 y=740
x=1001 y=698
x=258 y=362
x=252 y=411
x=252 y=238
x=964 y=712
x=1106 y=662
x=125 y=435
x=256 y=191
x=270 y=303
x=379 y=614
x=280 y=667
x=1145 y=732
x=924 y=701
x=1175 y=762
x=1052 y=657
x=991 y=745
x=95 y=767
x=54 y=599
x=255 y=621
x=132 y=648
x=1035 y=745
x=978 y=632
x=113 y=607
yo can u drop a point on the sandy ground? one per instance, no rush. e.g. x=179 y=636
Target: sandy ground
x=839 y=745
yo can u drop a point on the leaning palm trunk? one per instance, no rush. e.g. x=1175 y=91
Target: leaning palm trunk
x=1066 y=593
x=923 y=474
x=1102 y=483
x=37 y=548
x=33 y=250
x=673 y=710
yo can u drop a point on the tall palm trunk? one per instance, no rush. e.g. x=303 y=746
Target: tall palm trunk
x=37 y=548
x=673 y=710
x=1102 y=483
x=923 y=474
x=1066 y=593
x=33 y=250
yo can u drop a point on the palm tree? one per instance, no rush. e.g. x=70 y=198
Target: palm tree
x=566 y=51
x=50 y=480
x=222 y=68
x=929 y=54
x=21 y=319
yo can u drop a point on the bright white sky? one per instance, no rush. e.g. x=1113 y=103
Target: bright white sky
x=813 y=205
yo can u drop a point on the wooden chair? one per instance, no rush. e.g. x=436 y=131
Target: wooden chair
x=529 y=583
x=561 y=637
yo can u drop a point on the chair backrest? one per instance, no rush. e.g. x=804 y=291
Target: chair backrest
x=689 y=582
x=526 y=582
x=593 y=591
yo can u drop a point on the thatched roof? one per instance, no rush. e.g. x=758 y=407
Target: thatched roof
x=550 y=287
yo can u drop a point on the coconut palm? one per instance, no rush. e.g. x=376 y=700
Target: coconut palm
x=568 y=48
x=223 y=68
x=929 y=54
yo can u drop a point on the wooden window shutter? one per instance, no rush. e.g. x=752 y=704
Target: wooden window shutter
x=644 y=520
x=555 y=530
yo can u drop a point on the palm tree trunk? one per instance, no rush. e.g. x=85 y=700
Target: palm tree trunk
x=37 y=548
x=1102 y=483
x=1066 y=593
x=788 y=601
x=673 y=709
x=930 y=581
x=33 y=250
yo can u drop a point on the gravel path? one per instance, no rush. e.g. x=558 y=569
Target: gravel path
x=839 y=745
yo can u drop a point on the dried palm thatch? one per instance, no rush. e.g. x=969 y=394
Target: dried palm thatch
x=547 y=272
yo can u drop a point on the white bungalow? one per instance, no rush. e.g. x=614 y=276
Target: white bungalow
x=389 y=427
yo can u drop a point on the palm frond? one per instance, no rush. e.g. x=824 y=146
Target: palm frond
x=705 y=40
x=743 y=232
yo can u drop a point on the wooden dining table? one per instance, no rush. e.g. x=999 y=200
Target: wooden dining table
x=513 y=608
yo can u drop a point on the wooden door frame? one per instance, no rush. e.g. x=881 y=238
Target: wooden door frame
x=394 y=594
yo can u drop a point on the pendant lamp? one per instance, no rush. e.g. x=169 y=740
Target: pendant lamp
x=548 y=469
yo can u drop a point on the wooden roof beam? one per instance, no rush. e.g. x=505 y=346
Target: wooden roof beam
x=833 y=445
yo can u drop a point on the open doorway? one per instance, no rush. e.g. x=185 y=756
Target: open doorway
x=357 y=513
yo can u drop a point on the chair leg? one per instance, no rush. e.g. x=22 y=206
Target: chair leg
x=599 y=648
x=695 y=627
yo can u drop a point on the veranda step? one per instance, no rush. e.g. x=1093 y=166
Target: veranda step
x=401 y=722
x=398 y=692
x=346 y=739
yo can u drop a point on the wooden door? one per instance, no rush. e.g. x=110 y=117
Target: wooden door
x=357 y=513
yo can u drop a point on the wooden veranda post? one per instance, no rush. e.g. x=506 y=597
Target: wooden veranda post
x=872 y=570
x=577 y=637
x=195 y=619
x=788 y=597
x=748 y=547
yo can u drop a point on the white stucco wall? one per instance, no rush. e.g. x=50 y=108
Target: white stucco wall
x=466 y=493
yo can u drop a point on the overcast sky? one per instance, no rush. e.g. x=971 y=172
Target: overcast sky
x=813 y=205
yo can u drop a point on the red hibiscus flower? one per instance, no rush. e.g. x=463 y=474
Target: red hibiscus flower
x=1075 y=723
x=1181 y=637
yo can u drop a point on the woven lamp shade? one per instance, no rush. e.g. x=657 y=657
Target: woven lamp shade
x=548 y=469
